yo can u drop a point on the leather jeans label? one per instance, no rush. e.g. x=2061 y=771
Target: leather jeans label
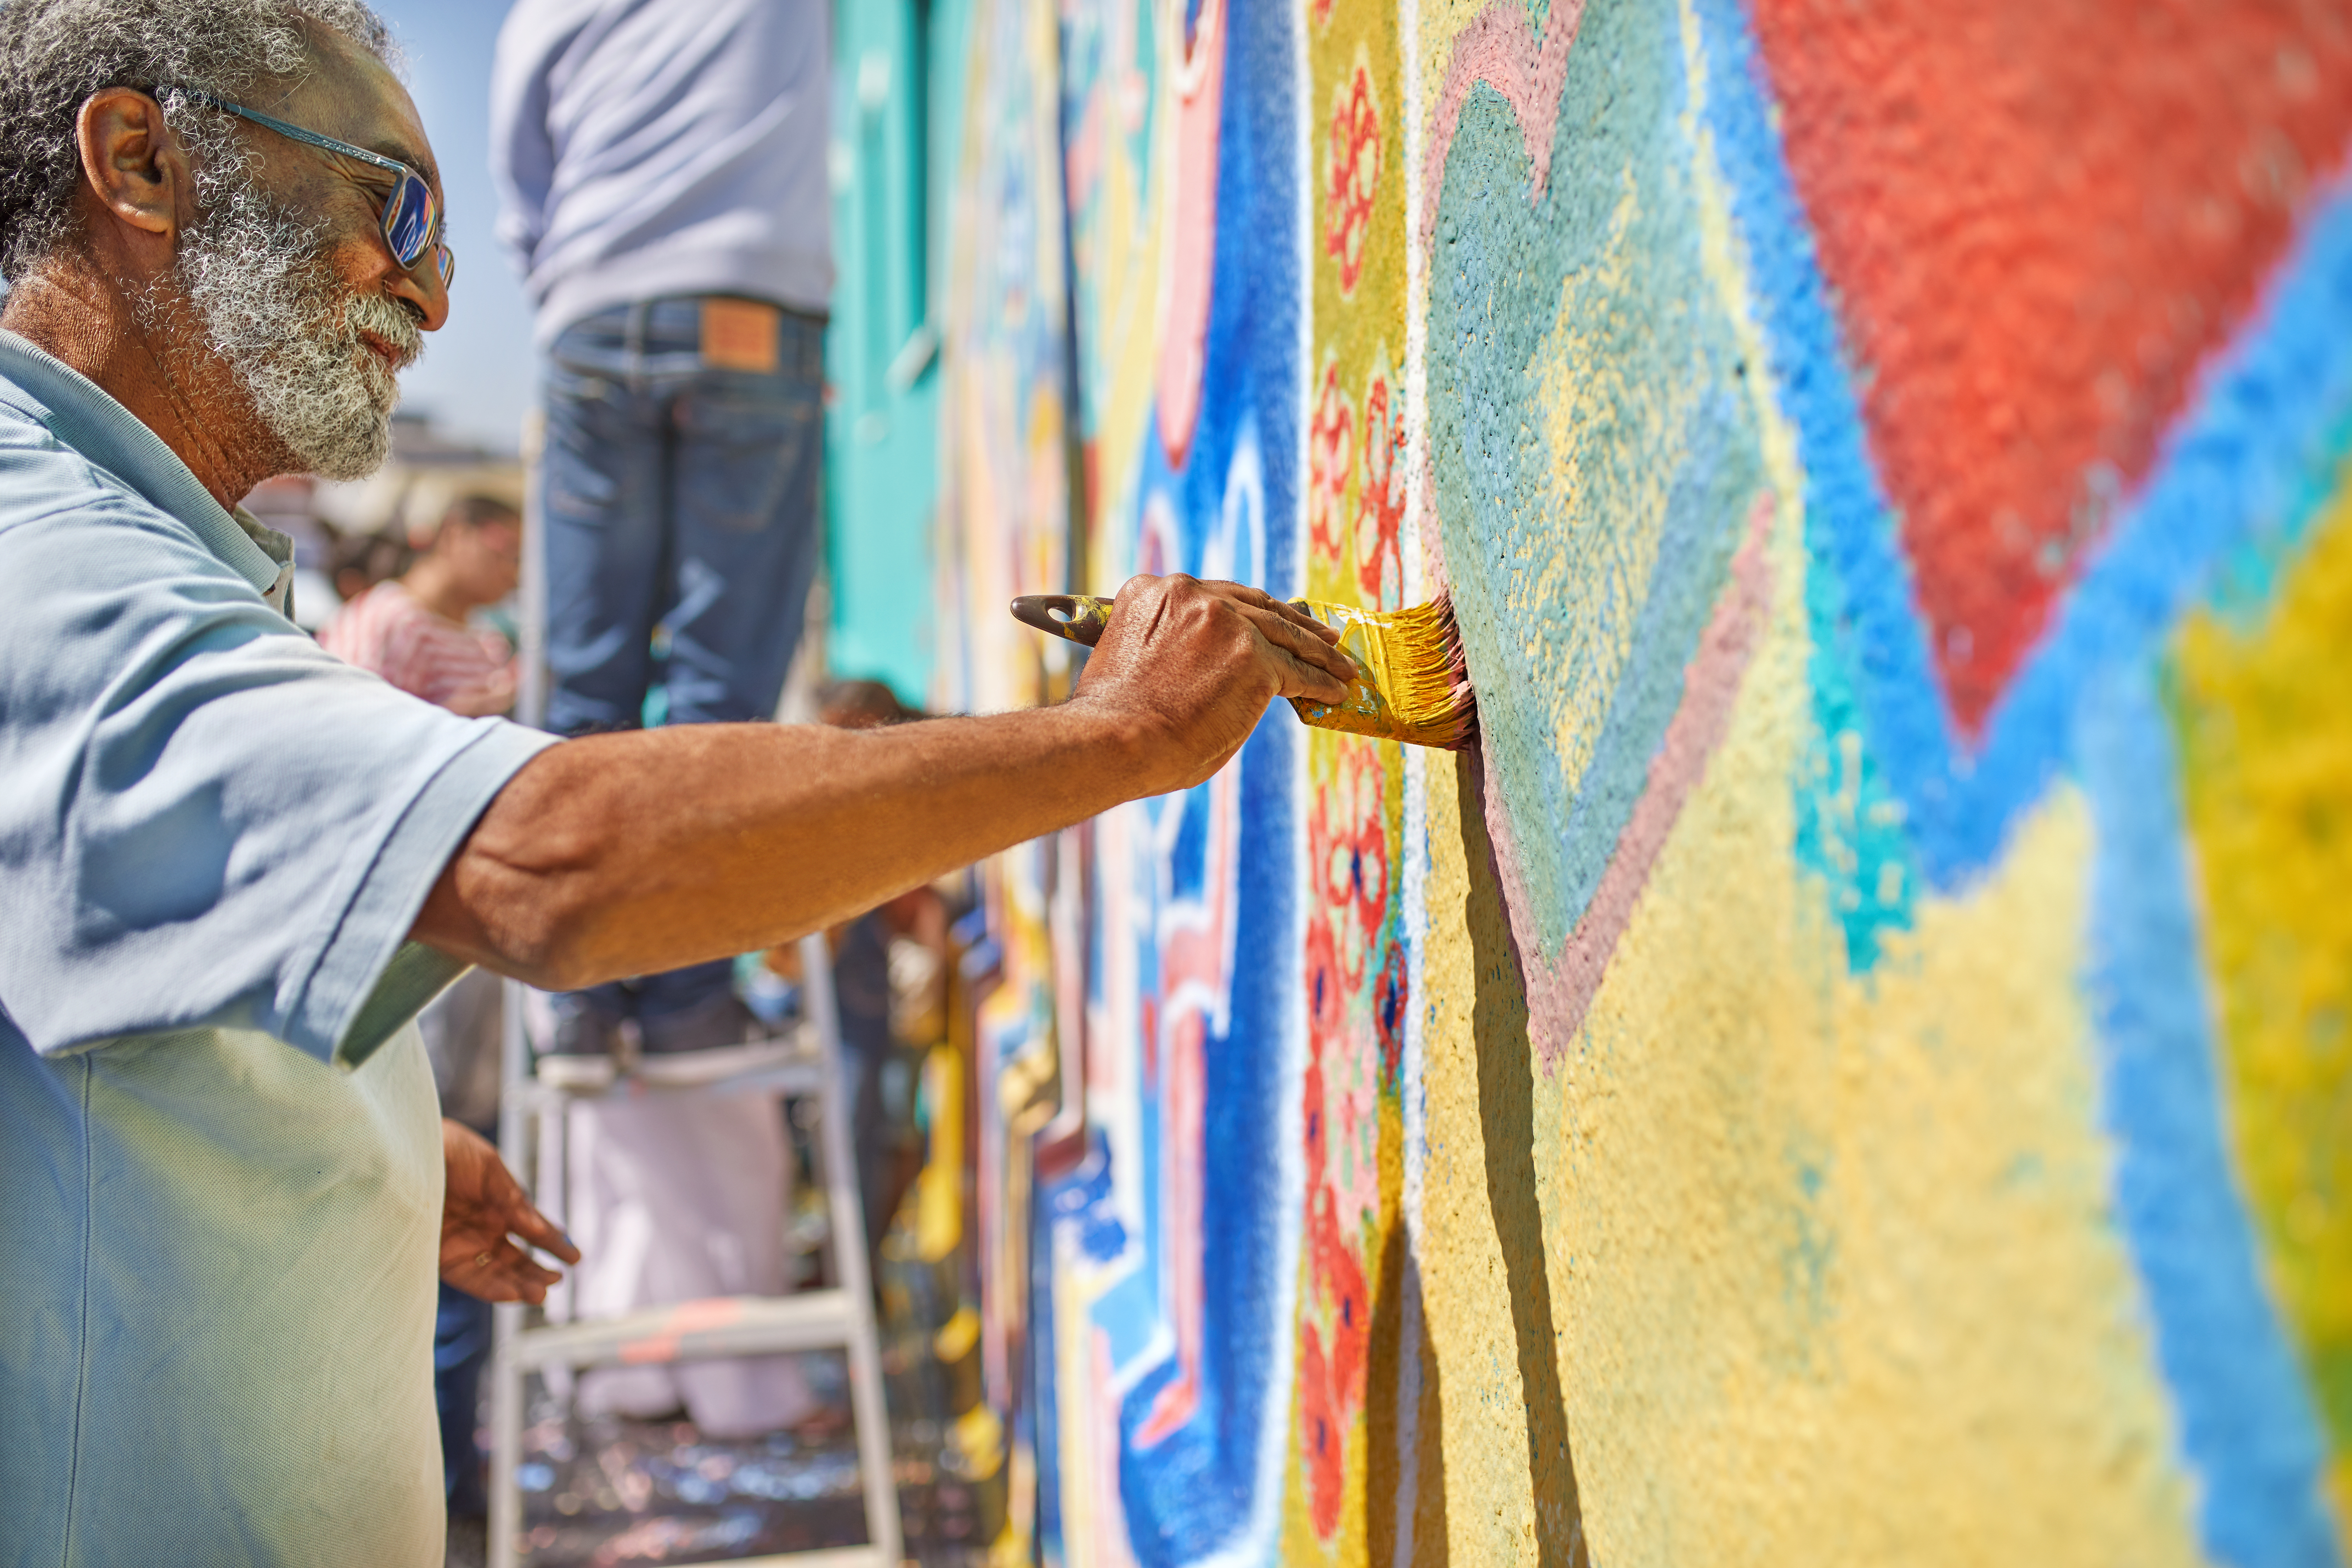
x=739 y=334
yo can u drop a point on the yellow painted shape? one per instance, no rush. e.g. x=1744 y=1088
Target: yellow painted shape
x=2266 y=747
x=1833 y=1263
x=939 y=1187
x=1613 y=426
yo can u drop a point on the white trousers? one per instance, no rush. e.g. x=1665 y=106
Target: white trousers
x=677 y=1198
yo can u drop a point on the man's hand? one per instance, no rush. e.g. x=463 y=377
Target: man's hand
x=1197 y=663
x=482 y=1206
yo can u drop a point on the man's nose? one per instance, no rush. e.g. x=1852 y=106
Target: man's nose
x=421 y=286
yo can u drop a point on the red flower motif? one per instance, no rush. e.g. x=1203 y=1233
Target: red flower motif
x=1330 y=453
x=1326 y=993
x=1319 y=1138
x=1331 y=1384
x=1379 y=500
x=1340 y=1276
x=1353 y=161
x=1347 y=925
x=1322 y=1436
x=1348 y=858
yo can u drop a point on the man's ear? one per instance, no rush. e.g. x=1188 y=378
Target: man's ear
x=132 y=162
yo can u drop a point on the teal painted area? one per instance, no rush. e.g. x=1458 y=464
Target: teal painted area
x=1595 y=453
x=1849 y=825
x=897 y=103
x=2245 y=577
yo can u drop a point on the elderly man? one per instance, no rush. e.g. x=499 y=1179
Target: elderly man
x=232 y=866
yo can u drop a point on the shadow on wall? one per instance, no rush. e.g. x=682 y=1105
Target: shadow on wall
x=1393 y=1444
x=1506 y=1117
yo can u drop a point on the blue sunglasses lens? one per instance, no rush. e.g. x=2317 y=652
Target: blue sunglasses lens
x=408 y=220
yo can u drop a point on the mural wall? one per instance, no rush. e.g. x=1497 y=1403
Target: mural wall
x=1854 y=1067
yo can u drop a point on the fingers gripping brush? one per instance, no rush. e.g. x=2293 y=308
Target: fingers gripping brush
x=1412 y=683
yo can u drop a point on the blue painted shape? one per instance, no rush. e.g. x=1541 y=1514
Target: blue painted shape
x=1198 y=1489
x=2243 y=465
x=2247 y=1418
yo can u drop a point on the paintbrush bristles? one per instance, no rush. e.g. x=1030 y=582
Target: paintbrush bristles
x=1415 y=683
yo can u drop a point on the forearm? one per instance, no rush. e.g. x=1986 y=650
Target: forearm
x=631 y=854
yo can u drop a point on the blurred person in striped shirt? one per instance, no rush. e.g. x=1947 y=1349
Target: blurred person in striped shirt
x=413 y=629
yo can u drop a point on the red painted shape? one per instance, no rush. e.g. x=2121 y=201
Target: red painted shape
x=2039 y=216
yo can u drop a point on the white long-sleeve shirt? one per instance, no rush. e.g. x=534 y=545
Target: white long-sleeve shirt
x=647 y=148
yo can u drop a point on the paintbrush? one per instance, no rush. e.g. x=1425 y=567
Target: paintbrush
x=1411 y=682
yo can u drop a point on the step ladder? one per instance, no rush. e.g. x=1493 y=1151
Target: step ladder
x=534 y=1111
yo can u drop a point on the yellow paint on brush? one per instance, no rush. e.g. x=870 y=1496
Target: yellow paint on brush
x=1412 y=684
x=2266 y=747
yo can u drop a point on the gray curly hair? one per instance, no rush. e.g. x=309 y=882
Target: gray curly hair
x=53 y=54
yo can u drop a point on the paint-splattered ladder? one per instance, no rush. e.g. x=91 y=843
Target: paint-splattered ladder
x=535 y=1113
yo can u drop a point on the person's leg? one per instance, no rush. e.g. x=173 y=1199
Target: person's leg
x=605 y=506
x=691 y=1009
x=861 y=992
x=603 y=479
x=745 y=538
x=461 y=1348
x=747 y=530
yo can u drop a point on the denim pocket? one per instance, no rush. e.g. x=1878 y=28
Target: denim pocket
x=746 y=450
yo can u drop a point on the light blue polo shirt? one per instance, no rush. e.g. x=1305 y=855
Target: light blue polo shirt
x=220 y=1166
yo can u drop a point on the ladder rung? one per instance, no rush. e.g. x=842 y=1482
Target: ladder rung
x=694 y=1331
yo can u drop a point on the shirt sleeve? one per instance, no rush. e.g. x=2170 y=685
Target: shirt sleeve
x=209 y=820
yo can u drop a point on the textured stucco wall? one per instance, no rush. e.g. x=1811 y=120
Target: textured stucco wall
x=1854 y=1068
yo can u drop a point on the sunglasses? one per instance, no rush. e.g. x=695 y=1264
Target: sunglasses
x=412 y=218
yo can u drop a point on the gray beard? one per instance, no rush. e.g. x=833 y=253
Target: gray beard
x=273 y=311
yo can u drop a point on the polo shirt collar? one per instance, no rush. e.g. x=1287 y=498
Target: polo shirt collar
x=84 y=417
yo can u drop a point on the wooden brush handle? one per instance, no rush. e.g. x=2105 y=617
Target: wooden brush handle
x=1080 y=618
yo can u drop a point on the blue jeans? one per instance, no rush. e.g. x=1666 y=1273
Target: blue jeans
x=681 y=504
x=461 y=1348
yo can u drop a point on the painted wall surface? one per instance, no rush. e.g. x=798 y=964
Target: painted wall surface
x=1854 y=1067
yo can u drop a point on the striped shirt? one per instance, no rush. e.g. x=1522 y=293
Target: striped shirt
x=386 y=631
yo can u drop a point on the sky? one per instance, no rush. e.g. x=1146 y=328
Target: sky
x=478 y=375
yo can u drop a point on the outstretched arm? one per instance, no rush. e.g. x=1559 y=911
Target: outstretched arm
x=622 y=854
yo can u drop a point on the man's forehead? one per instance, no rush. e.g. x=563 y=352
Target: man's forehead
x=350 y=96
